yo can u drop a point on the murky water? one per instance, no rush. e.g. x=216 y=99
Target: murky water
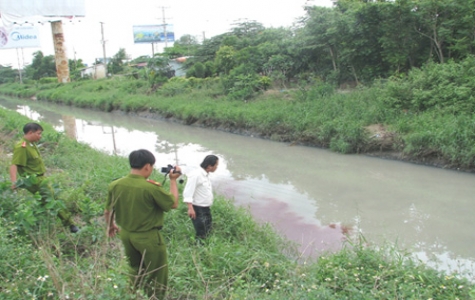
x=311 y=195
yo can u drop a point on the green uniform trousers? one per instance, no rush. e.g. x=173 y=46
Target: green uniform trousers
x=147 y=256
x=45 y=190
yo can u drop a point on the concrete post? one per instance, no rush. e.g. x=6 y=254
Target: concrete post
x=61 y=59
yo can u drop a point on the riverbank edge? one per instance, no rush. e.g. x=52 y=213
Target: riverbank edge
x=316 y=278
x=386 y=152
x=429 y=161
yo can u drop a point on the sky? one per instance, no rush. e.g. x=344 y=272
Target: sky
x=203 y=18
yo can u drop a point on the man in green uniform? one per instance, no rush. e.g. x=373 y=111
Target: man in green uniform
x=27 y=162
x=138 y=206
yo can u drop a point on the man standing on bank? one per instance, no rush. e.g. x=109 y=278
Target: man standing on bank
x=138 y=207
x=198 y=194
x=27 y=162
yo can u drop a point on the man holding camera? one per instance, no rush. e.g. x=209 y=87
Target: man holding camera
x=198 y=194
x=138 y=206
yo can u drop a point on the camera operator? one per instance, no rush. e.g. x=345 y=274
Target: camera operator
x=198 y=194
x=138 y=206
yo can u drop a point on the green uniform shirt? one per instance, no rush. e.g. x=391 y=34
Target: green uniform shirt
x=139 y=205
x=28 y=159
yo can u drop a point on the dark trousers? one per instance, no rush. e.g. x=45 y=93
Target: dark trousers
x=203 y=221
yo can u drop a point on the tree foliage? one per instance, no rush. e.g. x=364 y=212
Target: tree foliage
x=7 y=74
x=41 y=66
x=354 y=41
x=116 y=64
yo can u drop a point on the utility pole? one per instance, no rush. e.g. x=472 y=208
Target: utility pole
x=19 y=67
x=164 y=24
x=104 y=48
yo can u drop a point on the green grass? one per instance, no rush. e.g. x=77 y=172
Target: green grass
x=241 y=260
x=309 y=115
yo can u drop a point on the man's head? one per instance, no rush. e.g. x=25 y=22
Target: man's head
x=142 y=161
x=210 y=163
x=140 y=158
x=32 y=132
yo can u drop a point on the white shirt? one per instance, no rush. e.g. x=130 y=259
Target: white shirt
x=198 y=190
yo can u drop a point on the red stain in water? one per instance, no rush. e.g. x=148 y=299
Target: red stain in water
x=311 y=238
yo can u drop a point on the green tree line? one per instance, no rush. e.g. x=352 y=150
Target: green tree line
x=354 y=41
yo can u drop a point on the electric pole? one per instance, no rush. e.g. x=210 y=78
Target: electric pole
x=104 y=48
x=164 y=24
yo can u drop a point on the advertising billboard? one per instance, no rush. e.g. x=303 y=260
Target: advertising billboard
x=153 y=33
x=19 y=37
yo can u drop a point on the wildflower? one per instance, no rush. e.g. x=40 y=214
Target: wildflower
x=303 y=275
x=460 y=286
x=327 y=279
x=115 y=286
x=267 y=290
x=50 y=294
x=266 y=264
x=109 y=279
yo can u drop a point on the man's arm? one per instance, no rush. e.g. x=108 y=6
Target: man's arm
x=173 y=185
x=188 y=193
x=13 y=172
x=112 y=228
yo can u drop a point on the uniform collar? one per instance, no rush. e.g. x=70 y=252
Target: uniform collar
x=28 y=142
x=135 y=176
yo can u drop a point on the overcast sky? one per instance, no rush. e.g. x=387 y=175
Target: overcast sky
x=198 y=18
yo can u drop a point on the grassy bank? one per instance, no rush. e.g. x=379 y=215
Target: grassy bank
x=242 y=259
x=422 y=117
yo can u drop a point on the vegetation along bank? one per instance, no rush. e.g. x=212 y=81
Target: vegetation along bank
x=241 y=260
x=411 y=62
x=423 y=117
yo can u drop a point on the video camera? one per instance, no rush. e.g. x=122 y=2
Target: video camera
x=167 y=169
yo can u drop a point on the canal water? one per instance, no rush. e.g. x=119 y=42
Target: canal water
x=312 y=196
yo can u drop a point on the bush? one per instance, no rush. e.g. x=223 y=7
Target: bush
x=447 y=87
x=44 y=80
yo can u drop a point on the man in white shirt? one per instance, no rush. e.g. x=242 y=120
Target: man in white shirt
x=198 y=195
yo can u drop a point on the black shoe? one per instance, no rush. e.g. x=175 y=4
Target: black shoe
x=73 y=228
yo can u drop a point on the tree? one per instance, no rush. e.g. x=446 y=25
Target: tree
x=116 y=64
x=7 y=74
x=225 y=61
x=185 y=46
x=41 y=66
x=75 y=67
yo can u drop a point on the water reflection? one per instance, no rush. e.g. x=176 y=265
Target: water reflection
x=312 y=196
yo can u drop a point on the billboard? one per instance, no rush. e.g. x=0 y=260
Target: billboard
x=153 y=33
x=54 y=8
x=19 y=37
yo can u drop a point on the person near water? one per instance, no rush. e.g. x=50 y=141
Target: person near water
x=198 y=195
x=135 y=209
x=27 y=162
